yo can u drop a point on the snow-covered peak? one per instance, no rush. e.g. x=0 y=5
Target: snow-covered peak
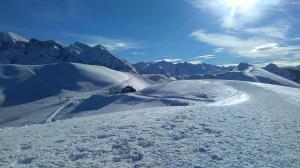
x=101 y=47
x=81 y=45
x=11 y=37
x=45 y=44
x=14 y=49
x=243 y=66
x=271 y=66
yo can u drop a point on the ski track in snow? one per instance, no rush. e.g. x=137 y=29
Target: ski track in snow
x=261 y=131
x=52 y=116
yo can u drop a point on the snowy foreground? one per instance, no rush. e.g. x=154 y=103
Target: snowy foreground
x=211 y=124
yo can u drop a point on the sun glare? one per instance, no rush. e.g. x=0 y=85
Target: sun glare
x=241 y=3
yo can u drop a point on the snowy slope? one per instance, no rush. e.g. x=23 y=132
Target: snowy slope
x=273 y=68
x=175 y=93
x=31 y=93
x=261 y=129
x=246 y=72
x=17 y=50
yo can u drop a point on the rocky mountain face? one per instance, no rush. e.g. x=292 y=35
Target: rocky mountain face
x=15 y=49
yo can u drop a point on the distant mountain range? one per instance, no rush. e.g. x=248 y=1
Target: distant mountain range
x=180 y=69
x=15 y=49
x=247 y=72
x=199 y=71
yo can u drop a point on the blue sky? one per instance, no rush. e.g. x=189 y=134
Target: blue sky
x=214 y=31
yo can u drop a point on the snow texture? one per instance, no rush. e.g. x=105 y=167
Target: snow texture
x=262 y=130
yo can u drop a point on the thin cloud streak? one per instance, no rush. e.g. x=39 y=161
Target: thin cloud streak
x=218 y=50
x=110 y=43
x=172 y=60
x=208 y=56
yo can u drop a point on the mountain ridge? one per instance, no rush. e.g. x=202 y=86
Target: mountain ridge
x=243 y=71
x=15 y=49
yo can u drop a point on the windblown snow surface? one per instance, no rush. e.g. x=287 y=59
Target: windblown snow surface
x=194 y=123
x=33 y=94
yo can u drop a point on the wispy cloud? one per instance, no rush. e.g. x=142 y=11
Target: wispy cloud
x=208 y=56
x=253 y=47
x=246 y=30
x=200 y=59
x=265 y=47
x=227 y=41
x=278 y=30
x=138 y=53
x=227 y=64
x=110 y=43
x=196 y=62
x=172 y=60
x=218 y=50
x=270 y=50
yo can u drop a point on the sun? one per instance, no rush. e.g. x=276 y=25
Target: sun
x=246 y=4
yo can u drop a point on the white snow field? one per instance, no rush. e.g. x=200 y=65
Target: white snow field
x=31 y=94
x=194 y=123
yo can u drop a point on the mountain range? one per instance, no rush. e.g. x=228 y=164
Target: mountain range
x=207 y=71
x=15 y=49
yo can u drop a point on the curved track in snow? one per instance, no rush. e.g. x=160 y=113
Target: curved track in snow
x=262 y=131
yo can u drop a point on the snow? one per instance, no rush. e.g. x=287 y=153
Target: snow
x=197 y=90
x=261 y=131
x=158 y=78
x=30 y=94
x=12 y=37
x=254 y=74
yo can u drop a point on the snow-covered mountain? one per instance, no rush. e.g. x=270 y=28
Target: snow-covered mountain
x=15 y=49
x=247 y=72
x=180 y=69
x=286 y=73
